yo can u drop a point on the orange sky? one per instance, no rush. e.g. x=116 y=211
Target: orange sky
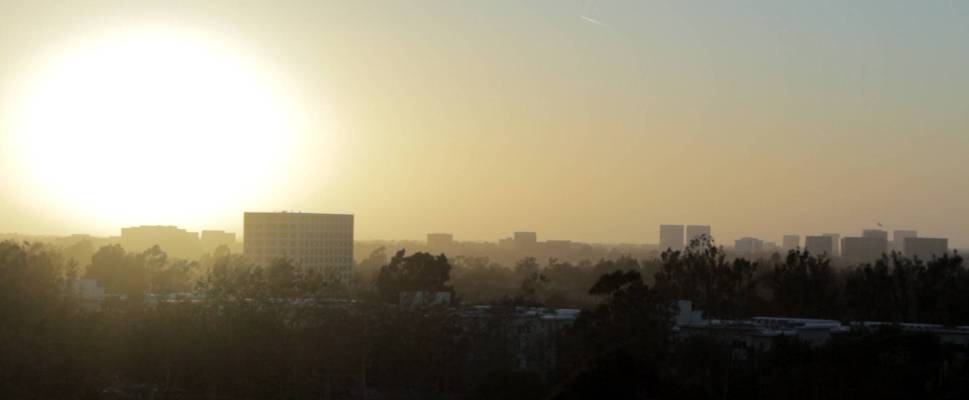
x=481 y=119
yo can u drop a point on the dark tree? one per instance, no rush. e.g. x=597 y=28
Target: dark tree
x=417 y=272
x=616 y=350
x=805 y=286
x=703 y=275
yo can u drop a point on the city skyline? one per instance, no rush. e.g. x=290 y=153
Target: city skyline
x=759 y=120
x=492 y=199
x=459 y=236
x=677 y=238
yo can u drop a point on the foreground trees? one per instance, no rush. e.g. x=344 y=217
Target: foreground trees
x=261 y=333
x=279 y=332
x=616 y=350
x=134 y=274
x=702 y=274
x=621 y=349
x=43 y=346
x=897 y=289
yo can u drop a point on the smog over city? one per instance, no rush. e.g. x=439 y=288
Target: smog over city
x=577 y=199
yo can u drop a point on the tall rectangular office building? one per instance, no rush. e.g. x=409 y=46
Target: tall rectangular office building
x=526 y=241
x=748 y=246
x=925 y=248
x=791 y=242
x=322 y=242
x=670 y=237
x=818 y=245
x=863 y=249
x=899 y=237
x=694 y=232
x=875 y=233
x=836 y=239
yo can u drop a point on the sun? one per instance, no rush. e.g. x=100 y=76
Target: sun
x=152 y=126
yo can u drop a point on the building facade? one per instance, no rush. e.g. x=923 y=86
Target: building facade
x=212 y=240
x=174 y=241
x=321 y=242
x=836 y=240
x=695 y=231
x=791 y=242
x=748 y=246
x=439 y=242
x=526 y=241
x=818 y=245
x=863 y=249
x=898 y=239
x=875 y=233
x=925 y=248
x=671 y=237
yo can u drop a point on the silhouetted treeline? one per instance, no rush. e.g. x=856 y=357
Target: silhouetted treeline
x=893 y=289
x=252 y=332
x=798 y=284
x=623 y=349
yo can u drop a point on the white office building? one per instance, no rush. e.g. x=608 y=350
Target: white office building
x=322 y=242
x=671 y=237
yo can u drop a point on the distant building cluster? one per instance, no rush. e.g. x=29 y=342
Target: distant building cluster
x=176 y=242
x=677 y=237
x=325 y=243
x=511 y=249
x=870 y=246
x=748 y=246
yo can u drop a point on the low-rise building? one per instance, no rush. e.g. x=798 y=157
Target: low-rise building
x=758 y=333
x=440 y=242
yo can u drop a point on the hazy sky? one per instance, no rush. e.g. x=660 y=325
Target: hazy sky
x=584 y=120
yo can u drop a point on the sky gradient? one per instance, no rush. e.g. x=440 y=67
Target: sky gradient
x=584 y=120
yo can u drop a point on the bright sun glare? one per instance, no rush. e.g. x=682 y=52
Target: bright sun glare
x=162 y=125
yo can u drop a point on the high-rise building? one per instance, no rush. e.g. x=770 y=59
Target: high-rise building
x=693 y=232
x=863 y=249
x=818 y=245
x=791 y=242
x=836 y=240
x=176 y=242
x=526 y=241
x=212 y=240
x=671 y=237
x=439 y=242
x=925 y=248
x=321 y=242
x=748 y=246
x=898 y=239
x=875 y=233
